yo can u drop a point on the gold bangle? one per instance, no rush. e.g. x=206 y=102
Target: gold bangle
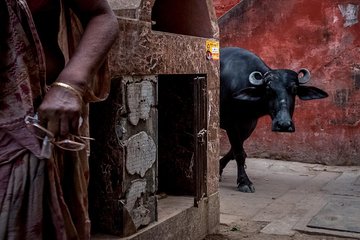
x=69 y=87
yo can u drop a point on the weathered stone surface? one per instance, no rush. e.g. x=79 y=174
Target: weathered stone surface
x=141 y=153
x=140 y=97
x=141 y=51
x=124 y=4
x=118 y=169
x=123 y=161
x=140 y=214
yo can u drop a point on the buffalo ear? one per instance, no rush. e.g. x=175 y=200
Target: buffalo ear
x=309 y=93
x=249 y=94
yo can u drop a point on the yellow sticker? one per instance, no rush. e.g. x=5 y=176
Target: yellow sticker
x=212 y=50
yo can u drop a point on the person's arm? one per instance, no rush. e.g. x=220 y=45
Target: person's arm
x=61 y=107
x=101 y=29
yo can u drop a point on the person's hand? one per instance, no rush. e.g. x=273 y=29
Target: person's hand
x=60 y=111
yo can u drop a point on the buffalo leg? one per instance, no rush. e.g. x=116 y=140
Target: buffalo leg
x=225 y=160
x=243 y=182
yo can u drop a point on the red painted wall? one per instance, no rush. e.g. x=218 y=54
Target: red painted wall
x=324 y=37
x=221 y=7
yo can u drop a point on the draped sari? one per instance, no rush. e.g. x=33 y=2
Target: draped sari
x=39 y=198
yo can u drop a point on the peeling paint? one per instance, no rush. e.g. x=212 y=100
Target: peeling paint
x=124 y=4
x=350 y=13
x=356 y=77
x=341 y=97
x=141 y=153
x=139 y=213
x=140 y=98
x=136 y=189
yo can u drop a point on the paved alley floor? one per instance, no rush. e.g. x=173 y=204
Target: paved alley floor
x=292 y=201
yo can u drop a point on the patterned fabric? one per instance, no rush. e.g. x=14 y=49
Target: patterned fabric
x=22 y=72
x=39 y=198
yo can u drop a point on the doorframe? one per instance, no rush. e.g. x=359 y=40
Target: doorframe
x=200 y=119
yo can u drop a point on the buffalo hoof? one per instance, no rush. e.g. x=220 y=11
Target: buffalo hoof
x=246 y=188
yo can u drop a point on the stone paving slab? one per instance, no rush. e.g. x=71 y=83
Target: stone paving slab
x=346 y=184
x=338 y=214
x=301 y=225
x=281 y=226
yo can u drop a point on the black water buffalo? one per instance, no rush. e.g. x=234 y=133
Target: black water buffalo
x=249 y=89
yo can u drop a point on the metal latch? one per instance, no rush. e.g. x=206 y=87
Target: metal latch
x=201 y=135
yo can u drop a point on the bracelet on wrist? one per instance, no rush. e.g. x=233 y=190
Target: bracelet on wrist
x=69 y=87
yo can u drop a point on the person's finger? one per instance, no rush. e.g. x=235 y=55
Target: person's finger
x=53 y=125
x=64 y=126
x=75 y=125
x=42 y=120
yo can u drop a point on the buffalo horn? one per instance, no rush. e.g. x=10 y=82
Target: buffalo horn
x=306 y=76
x=255 y=81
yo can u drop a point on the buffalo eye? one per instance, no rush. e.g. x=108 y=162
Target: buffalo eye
x=268 y=85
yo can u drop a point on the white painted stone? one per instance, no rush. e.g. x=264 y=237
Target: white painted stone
x=139 y=99
x=124 y=4
x=141 y=153
x=350 y=14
